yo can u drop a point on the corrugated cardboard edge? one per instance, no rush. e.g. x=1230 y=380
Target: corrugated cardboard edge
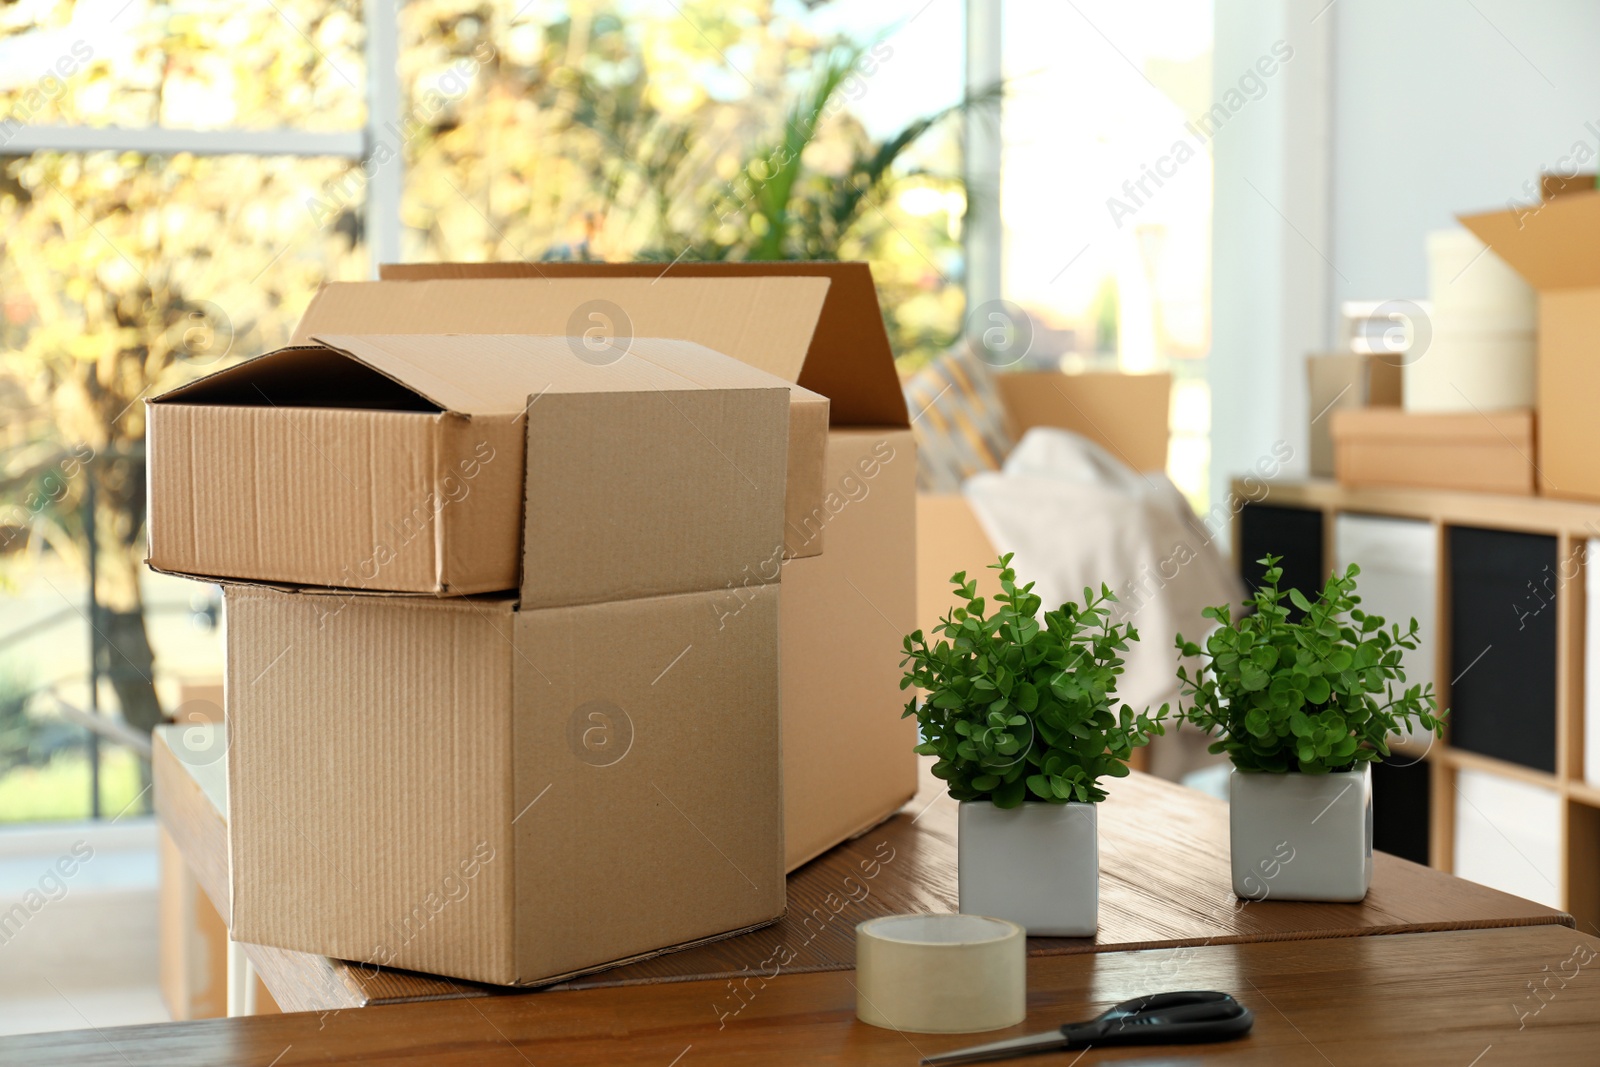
x=337 y=591
x=548 y=983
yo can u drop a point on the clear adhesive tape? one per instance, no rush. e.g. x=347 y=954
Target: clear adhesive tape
x=941 y=974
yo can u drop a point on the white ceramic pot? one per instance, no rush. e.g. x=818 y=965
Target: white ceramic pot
x=1301 y=836
x=1037 y=865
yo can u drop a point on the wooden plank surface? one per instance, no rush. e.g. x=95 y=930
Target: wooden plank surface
x=1460 y=998
x=1164 y=881
x=1536 y=514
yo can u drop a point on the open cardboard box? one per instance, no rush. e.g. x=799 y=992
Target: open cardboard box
x=1554 y=247
x=848 y=760
x=609 y=733
x=1127 y=414
x=385 y=464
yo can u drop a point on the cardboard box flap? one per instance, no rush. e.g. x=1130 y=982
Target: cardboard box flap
x=305 y=376
x=465 y=374
x=495 y=374
x=765 y=322
x=1551 y=246
x=848 y=359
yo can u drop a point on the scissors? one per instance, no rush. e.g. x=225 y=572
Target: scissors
x=1157 y=1019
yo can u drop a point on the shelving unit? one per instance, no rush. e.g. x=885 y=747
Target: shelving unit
x=1284 y=510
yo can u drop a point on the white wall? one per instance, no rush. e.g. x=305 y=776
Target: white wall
x=1393 y=118
x=1270 y=241
x=1443 y=107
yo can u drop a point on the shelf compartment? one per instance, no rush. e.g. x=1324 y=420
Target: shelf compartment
x=1295 y=534
x=1508 y=835
x=1503 y=643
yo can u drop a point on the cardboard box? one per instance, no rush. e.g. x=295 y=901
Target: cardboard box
x=460 y=786
x=848 y=759
x=518 y=788
x=843 y=616
x=1341 y=380
x=391 y=463
x=1489 y=453
x=767 y=323
x=1553 y=247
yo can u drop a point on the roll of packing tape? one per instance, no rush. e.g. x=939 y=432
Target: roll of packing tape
x=941 y=974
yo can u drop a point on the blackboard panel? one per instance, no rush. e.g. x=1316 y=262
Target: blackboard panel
x=1503 y=588
x=1292 y=533
x=1400 y=803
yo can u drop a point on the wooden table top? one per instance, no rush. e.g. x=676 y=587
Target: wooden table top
x=1460 y=998
x=1164 y=882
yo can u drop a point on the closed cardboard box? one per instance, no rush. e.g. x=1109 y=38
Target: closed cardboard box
x=1552 y=245
x=460 y=786
x=848 y=759
x=1340 y=380
x=1491 y=452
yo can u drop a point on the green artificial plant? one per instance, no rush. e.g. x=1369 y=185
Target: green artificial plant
x=1318 y=694
x=1017 y=711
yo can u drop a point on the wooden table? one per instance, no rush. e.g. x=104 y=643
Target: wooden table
x=1458 y=998
x=1164 y=882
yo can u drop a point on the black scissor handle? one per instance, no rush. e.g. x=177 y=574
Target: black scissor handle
x=1166 y=1018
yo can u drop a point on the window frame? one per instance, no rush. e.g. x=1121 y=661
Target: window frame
x=382 y=209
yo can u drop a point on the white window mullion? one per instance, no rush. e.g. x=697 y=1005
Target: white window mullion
x=386 y=166
x=160 y=141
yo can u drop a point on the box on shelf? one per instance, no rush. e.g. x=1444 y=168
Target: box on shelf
x=1492 y=452
x=848 y=760
x=390 y=463
x=1340 y=380
x=516 y=787
x=1552 y=246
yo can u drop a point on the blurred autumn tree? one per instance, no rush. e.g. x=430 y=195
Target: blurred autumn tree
x=121 y=274
x=706 y=130
x=533 y=129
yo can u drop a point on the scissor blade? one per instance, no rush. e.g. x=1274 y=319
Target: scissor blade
x=1001 y=1050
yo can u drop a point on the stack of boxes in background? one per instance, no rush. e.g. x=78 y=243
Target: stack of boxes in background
x=504 y=624
x=1496 y=364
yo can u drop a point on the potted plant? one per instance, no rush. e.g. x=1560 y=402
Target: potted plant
x=1023 y=719
x=1303 y=708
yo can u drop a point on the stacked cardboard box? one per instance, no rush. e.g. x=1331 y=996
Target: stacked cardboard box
x=847 y=754
x=1551 y=245
x=491 y=714
x=1341 y=381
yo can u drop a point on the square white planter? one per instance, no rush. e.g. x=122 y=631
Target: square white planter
x=1301 y=836
x=1037 y=865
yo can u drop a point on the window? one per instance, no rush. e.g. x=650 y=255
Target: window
x=176 y=180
